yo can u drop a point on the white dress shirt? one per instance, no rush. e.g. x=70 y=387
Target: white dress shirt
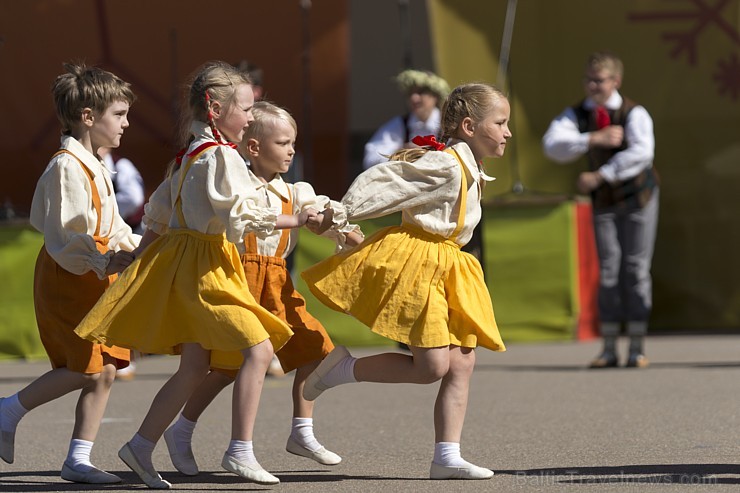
x=564 y=143
x=129 y=184
x=427 y=191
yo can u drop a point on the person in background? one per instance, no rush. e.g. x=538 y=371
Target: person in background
x=616 y=136
x=425 y=92
x=129 y=187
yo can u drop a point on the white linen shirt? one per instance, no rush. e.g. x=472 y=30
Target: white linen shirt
x=217 y=195
x=563 y=142
x=271 y=195
x=390 y=136
x=427 y=191
x=62 y=210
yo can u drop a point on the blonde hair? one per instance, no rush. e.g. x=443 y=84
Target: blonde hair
x=266 y=114
x=86 y=87
x=474 y=100
x=213 y=81
x=604 y=60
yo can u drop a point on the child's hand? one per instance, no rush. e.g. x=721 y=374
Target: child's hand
x=322 y=222
x=305 y=216
x=119 y=261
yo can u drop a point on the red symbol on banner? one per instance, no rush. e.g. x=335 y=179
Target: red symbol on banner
x=703 y=17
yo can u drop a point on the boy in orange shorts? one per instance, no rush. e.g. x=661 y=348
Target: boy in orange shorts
x=86 y=243
x=269 y=146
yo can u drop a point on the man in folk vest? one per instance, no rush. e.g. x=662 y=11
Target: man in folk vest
x=616 y=136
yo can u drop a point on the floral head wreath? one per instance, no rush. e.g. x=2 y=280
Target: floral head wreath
x=409 y=79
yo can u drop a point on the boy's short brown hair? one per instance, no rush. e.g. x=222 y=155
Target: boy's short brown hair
x=604 y=60
x=86 y=87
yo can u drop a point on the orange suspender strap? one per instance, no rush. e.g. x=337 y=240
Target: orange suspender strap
x=463 y=194
x=250 y=239
x=95 y=195
x=285 y=233
x=191 y=159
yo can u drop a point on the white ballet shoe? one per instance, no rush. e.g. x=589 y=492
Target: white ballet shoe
x=92 y=476
x=315 y=385
x=128 y=456
x=468 y=471
x=183 y=461
x=322 y=456
x=250 y=472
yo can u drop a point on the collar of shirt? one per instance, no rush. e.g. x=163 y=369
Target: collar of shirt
x=74 y=146
x=277 y=185
x=201 y=131
x=613 y=103
x=467 y=156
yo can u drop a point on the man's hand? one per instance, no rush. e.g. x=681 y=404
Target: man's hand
x=589 y=181
x=608 y=137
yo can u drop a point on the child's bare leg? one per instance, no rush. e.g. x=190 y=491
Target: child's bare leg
x=452 y=398
x=239 y=457
x=424 y=365
x=302 y=440
x=88 y=415
x=449 y=416
x=301 y=407
x=194 y=363
x=248 y=389
x=137 y=454
x=46 y=388
x=206 y=392
x=93 y=401
x=179 y=436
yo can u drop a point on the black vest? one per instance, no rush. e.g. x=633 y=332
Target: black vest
x=632 y=193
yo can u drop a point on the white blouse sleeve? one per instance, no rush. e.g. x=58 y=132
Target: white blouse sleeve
x=60 y=210
x=158 y=209
x=234 y=199
x=563 y=142
x=397 y=185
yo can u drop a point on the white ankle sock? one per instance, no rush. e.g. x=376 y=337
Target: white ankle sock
x=182 y=430
x=78 y=456
x=302 y=433
x=243 y=451
x=343 y=372
x=448 y=454
x=13 y=411
x=143 y=449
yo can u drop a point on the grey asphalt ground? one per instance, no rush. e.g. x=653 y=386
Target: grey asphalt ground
x=536 y=416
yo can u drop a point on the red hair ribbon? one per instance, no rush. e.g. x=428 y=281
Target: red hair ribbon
x=428 y=141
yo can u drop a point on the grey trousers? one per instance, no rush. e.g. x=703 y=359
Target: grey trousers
x=625 y=239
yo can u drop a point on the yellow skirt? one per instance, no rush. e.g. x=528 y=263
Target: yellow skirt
x=412 y=287
x=186 y=287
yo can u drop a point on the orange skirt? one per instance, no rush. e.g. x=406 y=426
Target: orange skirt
x=62 y=300
x=270 y=283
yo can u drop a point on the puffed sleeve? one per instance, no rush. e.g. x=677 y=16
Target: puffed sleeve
x=305 y=197
x=397 y=185
x=234 y=199
x=60 y=208
x=158 y=210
